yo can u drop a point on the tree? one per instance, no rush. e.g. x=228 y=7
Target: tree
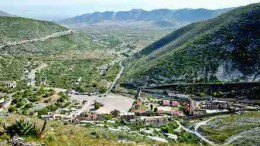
x=97 y=105
x=151 y=106
x=24 y=128
x=115 y=113
x=28 y=92
x=165 y=129
x=12 y=109
x=20 y=104
x=40 y=91
x=43 y=111
x=107 y=116
x=155 y=110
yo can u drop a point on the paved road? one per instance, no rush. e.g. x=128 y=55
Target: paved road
x=205 y=122
x=197 y=134
x=31 y=75
x=42 y=39
x=118 y=76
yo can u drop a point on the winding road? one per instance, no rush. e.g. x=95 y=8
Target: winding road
x=196 y=130
x=31 y=75
x=197 y=134
x=42 y=39
x=118 y=76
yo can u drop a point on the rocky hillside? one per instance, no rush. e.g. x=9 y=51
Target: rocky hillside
x=225 y=48
x=139 y=17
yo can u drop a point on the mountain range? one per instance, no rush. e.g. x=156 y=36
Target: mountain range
x=158 y=18
x=225 y=49
x=4 y=14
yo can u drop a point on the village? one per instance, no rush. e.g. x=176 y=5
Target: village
x=159 y=116
x=144 y=114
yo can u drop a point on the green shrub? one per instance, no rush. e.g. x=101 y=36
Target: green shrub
x=12 y=109
x=5 y=136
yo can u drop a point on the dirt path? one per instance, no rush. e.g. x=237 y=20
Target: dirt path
x=42 y=39
x=32 y=74
x=197 y=134
x=196 y=130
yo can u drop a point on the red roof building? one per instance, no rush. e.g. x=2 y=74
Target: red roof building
x=176 y=113
x=160 y=112
x=139 y=103
x=166 y=103
x=175 y=103
x=140 y=111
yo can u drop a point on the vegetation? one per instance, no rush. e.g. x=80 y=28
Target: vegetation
x=77 y=49
x=25 y=128
x=16 y=29
x=170 y=127
x=220 y=49
x=56 y=133
x=115 y=113
x=220 y=129
x=112 y=72
x=66 y=74
x=24 y=101
x=12 y=68
x=97 y=105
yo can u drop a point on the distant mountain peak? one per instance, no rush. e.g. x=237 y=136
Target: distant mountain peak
x=137 y=10
x=220 y=49
x=163 y=17
x=4 y=14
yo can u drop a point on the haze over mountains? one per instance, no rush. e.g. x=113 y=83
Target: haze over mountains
x=140 y=17
x=2 y=13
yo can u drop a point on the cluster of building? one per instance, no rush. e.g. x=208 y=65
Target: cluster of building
x=194 y=108
x=148 y=112
x=67 y=114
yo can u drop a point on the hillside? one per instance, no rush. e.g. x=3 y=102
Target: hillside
x=162 y=18
x=18 y=29
x=26 y=44
x=225 y=48
x=4 y=14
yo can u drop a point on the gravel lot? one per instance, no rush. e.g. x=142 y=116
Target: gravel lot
x=111 y=102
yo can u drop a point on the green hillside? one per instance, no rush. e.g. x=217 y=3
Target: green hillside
x=225 y=48
x=55 y=46
x=60 y=54
x=17 y=29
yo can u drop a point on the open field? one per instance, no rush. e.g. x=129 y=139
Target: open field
x=110 y=102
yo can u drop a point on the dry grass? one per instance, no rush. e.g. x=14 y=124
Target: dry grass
x=58 y=134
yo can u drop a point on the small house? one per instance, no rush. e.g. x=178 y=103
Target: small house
x=175 y=103
x=166 y=102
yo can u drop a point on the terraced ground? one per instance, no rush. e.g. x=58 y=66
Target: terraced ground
x=239 y=129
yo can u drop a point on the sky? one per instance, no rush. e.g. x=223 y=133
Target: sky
x=60 y=9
